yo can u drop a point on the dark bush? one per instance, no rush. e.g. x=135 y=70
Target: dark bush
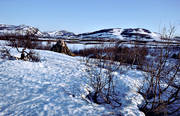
x=176 y=56
x=5 y=54
x=133 y=55
x=27 y=43
x=101 y=75
x=33 y=56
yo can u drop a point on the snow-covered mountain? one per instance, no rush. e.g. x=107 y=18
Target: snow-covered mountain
x=24 y=30
x=19 y=30
x=60 y=34
x=123 y=34
x=177 y=38
x=113 y=33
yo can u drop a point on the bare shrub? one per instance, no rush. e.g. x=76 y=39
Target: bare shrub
x=101 y=71
x=133 y=56
x=168 y=33
x=33 y=56
x=5 y=53
x=127 y=55
x=24 y=42
x=161 y=89
x=102 y=62
x=27 y=45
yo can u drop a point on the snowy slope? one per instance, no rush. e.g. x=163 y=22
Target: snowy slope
x=45 y=88
x=24 y=29
x=105 y=33
x=55 y=86
x=123 y=34
x=113 y=33
x=18 y=30
x=61 y=34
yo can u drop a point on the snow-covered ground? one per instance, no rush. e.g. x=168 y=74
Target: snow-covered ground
x=56 y=86
x=3 y=42
x=81 y=46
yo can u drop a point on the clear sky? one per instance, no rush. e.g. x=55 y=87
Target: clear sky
x=89 y=15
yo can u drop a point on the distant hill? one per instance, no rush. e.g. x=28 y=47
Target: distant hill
x=139 y=34
x=18 y=30
x=177 y=38
x=24 y=30
x=123 y=34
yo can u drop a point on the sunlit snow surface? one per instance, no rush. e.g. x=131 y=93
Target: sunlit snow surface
x=55 y=86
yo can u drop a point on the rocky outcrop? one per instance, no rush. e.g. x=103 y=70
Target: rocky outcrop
x=61 y=47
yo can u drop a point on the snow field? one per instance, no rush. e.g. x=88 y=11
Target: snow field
x=56 y=86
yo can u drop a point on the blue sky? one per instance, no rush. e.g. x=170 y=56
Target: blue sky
x=89 y=15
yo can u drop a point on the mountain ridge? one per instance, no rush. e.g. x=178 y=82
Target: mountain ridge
x=111 y=33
